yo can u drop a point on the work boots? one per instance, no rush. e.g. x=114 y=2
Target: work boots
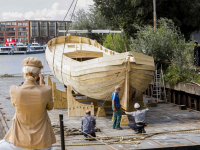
x=140 y=130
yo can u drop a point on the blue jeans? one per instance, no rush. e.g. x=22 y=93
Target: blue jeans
x=4 y=145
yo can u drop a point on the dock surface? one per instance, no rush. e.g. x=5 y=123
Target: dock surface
x=164 y=117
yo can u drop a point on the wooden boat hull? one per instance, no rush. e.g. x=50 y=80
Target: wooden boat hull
x=96 y=78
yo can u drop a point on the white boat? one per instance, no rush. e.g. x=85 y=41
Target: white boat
x=6 y=50
x=94 y=70
x=20 y=48
x=37 y=47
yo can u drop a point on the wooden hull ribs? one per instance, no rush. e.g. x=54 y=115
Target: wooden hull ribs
x=94 y=70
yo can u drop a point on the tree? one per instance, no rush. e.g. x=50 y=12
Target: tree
x=163 y=46
x=169 y=48
x=115 y=42
x=184 y=13
x=91 y=20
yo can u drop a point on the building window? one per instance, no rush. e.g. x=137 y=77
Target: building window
x=43 y=29
x=1 y=34
x=34 y=28
x=61 y=26
x=8 y=23
x=22 y=33
x=10 y=29
x=2 y=24
x=11 y=34
x=23 y=38
x=23 y=24
x=13 y=23
x=22 y=29
x=1 y=39
x=52 y=29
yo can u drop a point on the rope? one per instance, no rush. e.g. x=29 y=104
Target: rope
x=68 y=10
x=132 y=140
x=113 y=41
x=66 y=37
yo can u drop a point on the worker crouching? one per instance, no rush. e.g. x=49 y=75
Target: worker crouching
x=140 y=116
x=31 y=127
x=88 y=125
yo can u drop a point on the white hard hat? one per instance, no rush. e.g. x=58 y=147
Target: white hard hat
x=136 y=106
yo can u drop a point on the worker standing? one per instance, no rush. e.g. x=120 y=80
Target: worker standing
x=116 y=108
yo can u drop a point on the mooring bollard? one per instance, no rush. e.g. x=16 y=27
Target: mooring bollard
x=62 y=132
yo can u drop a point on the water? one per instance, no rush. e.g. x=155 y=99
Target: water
x=12 y=64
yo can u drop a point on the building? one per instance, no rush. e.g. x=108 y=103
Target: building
x=28 y=31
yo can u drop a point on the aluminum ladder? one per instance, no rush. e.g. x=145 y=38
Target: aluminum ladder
x=158 y=85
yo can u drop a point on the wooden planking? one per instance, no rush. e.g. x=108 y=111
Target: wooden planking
x=59 y=98
x=83 y=54
x=75 y=108
x=96 y=77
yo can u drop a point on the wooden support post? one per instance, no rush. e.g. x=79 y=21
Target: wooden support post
x=113 y=117
x=174 y=97
x=125 y=98
x=59 y=97
x=124 y=120
x=199 y=104
x=101 y=112
x=189 y=101
x=49 y=83
x=179 y=97
x=81 y=47
x=149 y=91
x=195 y=103
x=95 y=105
x=184 y=99
x=76 y=109
x=169 y=95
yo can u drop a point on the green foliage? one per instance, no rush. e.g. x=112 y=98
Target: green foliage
x=89 y=20
x=140 y=12
x=163 y=46
x=117 y=44
x=167 y=47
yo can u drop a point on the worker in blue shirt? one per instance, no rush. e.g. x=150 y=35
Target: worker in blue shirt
x=116 y=108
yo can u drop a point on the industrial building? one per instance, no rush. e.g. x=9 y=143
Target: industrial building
x=28 y=31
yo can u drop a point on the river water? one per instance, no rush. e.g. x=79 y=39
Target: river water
x=12 y=64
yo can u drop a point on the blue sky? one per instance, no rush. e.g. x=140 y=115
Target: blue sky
x=38 y=9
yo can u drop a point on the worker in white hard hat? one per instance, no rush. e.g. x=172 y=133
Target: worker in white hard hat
x=139 y=116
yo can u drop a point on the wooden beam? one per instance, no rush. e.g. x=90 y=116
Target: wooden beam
x=101 y=112
x=124 y=120
x=125 y=98
x=49 y=83
x=84 y=54
x=174 y=97
x=179 y=97
x=189 y=101
x=195 y=103
x=76 y=109
x=184 y=99
x=59 y=98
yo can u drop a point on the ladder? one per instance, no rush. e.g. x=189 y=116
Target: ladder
x=158 y=85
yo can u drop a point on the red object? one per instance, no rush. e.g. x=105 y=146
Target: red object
x=12 y=41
